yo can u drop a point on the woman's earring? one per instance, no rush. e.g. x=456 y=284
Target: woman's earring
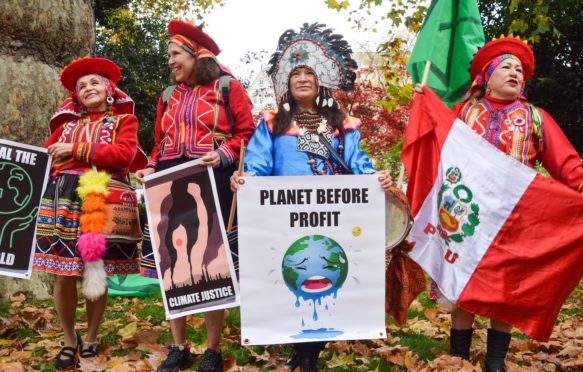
x=109 y=100
x=285 y=104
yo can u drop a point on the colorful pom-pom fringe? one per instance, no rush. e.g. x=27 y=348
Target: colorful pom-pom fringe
x=92 y=244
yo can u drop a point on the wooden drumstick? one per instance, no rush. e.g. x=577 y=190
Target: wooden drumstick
x=240 y=173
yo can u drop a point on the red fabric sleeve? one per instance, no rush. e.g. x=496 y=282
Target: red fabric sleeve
x=117 y=155
x=54 y=137
x=558 y=156
x=158 y=135
x=241 y=109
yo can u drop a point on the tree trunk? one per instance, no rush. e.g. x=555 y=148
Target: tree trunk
x=37 y=38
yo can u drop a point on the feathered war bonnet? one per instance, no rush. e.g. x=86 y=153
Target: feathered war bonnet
x=315 y=47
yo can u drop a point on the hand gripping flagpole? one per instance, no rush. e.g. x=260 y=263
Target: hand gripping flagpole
x=423 y=82
x=240 y=173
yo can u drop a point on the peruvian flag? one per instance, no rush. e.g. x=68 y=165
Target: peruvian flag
x=499 y=239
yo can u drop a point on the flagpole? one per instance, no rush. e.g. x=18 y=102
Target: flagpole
x=234 y=202
x=423 y=82
x=426 y=73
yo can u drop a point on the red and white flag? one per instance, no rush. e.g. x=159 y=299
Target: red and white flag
x=499 y=239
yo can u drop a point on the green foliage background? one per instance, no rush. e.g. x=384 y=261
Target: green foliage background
x=133 y=34
x=555 y=29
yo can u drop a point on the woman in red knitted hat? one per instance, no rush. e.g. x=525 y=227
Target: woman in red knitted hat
x=93 y=139
x=496 y=109
x=213 y=130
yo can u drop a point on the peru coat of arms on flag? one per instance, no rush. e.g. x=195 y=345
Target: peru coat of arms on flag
x=499 y=239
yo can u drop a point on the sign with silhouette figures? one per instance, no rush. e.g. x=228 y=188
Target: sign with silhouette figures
x=24 y=171
x=312 y=259
x=188 y=236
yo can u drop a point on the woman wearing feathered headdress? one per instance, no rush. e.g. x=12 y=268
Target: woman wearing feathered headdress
x=309 y=135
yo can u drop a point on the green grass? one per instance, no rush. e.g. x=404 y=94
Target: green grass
x=4 y=308
x=341 y=369
x=412 y=313
x=156 y=312
x=49 y=367
x=425 y=347
x=234 y=318
x=110 y=338
x=423 y=298
x=196 y=336
x=24 y=333
x=384 y=366
x=165 y=337
x=422 y=345
x=241 y=355
x=575 y=298
x=39 y=352
x=519 y=335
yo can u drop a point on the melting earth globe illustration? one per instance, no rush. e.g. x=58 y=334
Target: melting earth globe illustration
x=314 y=267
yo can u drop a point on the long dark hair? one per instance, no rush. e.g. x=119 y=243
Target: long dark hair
x=206 y=70
x=283 y=118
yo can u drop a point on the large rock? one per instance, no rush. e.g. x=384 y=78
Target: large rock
x=28 y=96
x=52 y=31
x=37 y=38
x=40 y=286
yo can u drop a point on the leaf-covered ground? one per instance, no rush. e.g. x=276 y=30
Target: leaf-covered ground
x=134 y=333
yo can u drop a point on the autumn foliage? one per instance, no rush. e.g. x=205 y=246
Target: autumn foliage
x=134 y=333
x=383 y=119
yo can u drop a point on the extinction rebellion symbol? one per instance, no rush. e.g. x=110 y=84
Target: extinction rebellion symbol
x=458 y=216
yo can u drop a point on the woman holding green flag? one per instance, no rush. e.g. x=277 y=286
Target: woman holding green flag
x=496 y=109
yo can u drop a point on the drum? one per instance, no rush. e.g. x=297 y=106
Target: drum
x=398 y=220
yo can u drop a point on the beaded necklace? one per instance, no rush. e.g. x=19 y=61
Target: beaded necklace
x=309 y=126
x=107 y=118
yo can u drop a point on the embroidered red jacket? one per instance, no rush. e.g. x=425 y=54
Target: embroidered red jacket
x=194 y=122
x=526 y=135
x=112 y=146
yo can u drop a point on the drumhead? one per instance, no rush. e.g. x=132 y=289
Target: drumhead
x=397 y=221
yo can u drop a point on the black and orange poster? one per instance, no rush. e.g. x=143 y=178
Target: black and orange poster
x=188 y=236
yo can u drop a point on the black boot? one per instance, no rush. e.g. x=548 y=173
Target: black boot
x=498 y=343
x=294 y=361
x=459 y=342
x=305 y=356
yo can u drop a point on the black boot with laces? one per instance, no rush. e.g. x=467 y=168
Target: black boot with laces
x=178 y=358
x=211 y=362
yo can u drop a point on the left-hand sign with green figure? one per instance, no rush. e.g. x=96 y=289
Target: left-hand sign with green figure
x=23 y=175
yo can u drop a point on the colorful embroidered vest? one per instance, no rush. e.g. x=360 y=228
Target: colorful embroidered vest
x=193 y=122
x=515 y=128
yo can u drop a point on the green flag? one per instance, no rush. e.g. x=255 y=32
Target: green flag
x=450 y=36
